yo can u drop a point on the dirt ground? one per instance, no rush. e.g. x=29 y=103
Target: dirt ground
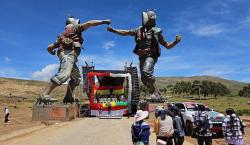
x=20 y=118
x=109 y=131
x=87 y=131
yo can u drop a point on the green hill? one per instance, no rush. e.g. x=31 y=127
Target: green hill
x=234 y=86
x=29 y=89
x=32 y=88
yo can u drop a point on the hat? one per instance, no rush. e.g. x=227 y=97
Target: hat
x=201 y=107
x=140 y=115
x=175 y=110
x=230 y=111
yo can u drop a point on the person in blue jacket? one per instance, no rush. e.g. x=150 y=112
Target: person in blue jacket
x=178 y=127
x=140 y=129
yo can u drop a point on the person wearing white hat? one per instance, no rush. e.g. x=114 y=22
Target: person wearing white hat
x=140 y=130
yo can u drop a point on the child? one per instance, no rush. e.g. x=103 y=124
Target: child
x=140 y=130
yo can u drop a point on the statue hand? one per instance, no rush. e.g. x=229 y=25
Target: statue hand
x=51 y=49
x=107 y=21
x=177 y=38
x=52 y=52
x=110 y=29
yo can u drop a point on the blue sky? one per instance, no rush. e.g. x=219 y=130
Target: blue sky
x=215 y=36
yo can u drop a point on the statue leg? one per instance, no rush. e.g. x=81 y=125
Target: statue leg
x=67 y=60
x=143 y=76
x=75 y=81
x=147 y=75
x=49 y=89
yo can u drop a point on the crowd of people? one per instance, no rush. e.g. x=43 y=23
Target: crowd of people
x=169 y=127
x=110 y=97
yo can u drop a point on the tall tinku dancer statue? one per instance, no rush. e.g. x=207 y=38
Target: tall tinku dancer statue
x=147 y=38
x=68 y=45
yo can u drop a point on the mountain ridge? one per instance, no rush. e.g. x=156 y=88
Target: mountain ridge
x=32 y=88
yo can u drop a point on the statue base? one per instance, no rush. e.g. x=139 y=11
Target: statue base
x=54 y=112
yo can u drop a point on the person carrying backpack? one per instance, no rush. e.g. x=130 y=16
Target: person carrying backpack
x=164 y=128
x=233 y=128
x=178 y=127
x=140 y=129
x=203 y=125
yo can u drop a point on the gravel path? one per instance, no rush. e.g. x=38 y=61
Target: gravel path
x=87 y=131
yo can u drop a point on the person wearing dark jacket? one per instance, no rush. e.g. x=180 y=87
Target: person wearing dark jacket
x=178 y=127
x=140 y=130
x=203 y=125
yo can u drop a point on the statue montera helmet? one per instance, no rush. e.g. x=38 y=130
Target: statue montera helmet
x=148 y=18
x=72 y=20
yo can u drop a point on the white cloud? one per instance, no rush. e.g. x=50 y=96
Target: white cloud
x=208 y=30
x=108 y=44
x=245 y=21
x=7 y=59
x=8 y=72
x=46 y=72
x=171 y=63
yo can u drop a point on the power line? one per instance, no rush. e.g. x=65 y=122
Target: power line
x=234 y=71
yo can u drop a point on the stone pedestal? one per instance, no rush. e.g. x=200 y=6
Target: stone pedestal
x=54 y=112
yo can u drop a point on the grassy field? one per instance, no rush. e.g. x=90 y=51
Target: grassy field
x=30 y=89
x=221 y=103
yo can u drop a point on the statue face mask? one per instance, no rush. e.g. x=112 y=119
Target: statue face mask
x=72 y=20
x=148 y=19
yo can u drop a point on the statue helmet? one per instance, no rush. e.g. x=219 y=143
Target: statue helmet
x=72 y=20
x=148 y=18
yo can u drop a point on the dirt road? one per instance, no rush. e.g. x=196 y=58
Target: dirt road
x=87 y=131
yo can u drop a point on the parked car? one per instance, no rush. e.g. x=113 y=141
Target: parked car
x=189 y=109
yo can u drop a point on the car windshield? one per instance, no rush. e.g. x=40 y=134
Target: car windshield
x=196 y=109
x=191 y=107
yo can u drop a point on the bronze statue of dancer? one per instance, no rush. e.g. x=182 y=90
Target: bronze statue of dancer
x=69 y=45
x=147 y=38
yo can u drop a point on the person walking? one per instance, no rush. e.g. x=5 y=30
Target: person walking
x=233 y=128
x=164 y=128
x=203 y=125
x=140 y=129
x=6 y=115
x=69 y=45
x=148 y=38
x=178 y=127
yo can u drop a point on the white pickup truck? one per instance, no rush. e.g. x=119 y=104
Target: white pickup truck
x=189 y=109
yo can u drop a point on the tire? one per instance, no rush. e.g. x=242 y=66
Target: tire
x=189 y=129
